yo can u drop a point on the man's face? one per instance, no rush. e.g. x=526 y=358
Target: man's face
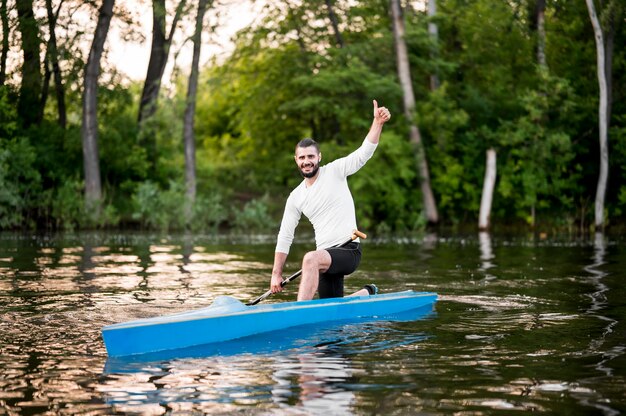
x=308 y=161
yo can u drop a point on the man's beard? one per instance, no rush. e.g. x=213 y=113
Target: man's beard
x=312 y=173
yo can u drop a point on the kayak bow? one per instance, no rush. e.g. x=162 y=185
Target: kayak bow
x=228 y=319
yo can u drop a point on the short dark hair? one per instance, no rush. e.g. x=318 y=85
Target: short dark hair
x=308 y=142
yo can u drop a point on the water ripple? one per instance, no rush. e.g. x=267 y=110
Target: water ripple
x=522 y=325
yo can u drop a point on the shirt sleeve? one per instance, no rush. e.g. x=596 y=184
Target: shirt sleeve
x=350 y=164
x=291 y=218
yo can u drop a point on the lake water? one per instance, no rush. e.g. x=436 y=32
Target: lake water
x=523 y=324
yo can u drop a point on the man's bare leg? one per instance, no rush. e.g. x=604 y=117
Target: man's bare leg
x=313 y=263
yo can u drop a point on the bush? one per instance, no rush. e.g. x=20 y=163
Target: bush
x=20 y=182
x=163 y=210
x=208 y=213
x=254 y=216
x=68 y=208
x=159 y=209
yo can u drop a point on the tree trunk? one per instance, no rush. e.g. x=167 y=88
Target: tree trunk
x=488 y=187
x=4 y=18
x=93 y=186
x=30 y=90
x=608 y=52
x=53 y=57
x=190 y=110
x=540 y=17
x=159 y=53
x=335 y=23
x=433 y=32
x=45 y=86
x=404 y=74
x=602 y=115
x=614 y=18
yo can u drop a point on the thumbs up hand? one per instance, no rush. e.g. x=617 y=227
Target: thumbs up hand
x=381 y=114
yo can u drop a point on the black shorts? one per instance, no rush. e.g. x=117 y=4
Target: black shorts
x=345 y=260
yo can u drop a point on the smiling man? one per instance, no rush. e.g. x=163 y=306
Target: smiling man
x=325 y=199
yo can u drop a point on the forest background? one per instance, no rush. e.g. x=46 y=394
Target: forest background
x=209 y=147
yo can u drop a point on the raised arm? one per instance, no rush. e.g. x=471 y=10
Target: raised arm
x=350 y=164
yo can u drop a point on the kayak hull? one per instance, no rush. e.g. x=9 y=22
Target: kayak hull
x=230 y=319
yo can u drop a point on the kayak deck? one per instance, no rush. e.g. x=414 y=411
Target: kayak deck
x=228 y=319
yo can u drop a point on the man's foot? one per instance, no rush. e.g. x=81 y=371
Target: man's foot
x=372 y=289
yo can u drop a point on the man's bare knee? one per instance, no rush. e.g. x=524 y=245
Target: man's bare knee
x=310 y=260
x=319 y=260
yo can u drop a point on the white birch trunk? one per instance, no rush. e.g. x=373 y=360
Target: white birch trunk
x=602 y=115
x=488 y=187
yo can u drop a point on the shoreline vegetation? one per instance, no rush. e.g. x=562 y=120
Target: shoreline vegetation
x=83 y=148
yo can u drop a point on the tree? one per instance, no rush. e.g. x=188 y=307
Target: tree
x=433 y=31
x=487 y=195
x=159 y=53
x=335 y=23
x=539 y=23
x=404 y=73
x=52 y=56
x=190 y=111
x=4 y=19
x=610 y=18
x=603 y=114
x=93 y=186
x=535 y=149
x=30 y=90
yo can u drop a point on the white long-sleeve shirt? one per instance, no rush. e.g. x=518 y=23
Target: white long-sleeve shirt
x=328 y=203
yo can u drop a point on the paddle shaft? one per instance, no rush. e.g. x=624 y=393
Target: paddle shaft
x=356 y=234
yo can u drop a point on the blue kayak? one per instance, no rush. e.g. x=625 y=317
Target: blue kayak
x=228 y=319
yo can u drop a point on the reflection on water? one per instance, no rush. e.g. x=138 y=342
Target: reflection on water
x=363 y=335
x=521 y=324
x=598 y=307
x=486 y=254
x=308 y=369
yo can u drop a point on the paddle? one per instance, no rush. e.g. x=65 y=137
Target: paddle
x=355 y=234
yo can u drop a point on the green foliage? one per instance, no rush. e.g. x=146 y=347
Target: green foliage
x=122 y=158
x=537 y=168
x=68 y=205
x=493 y=53
x=19 y=181
x=385 y=190
x=165 y=129
x=8 y=114
x=442 y=123
x=290 y=78
x=209 y=213
x=338 y=98
x=164 y=209
x=159 y=209
x=68 y=211
x=254 y=216
x=618 y=171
